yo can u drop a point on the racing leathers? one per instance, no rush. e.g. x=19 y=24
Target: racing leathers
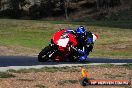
x=85 y=45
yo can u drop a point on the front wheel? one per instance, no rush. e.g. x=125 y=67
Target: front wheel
x=44 y=54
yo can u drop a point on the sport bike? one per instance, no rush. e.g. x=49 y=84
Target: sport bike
x=61 y=48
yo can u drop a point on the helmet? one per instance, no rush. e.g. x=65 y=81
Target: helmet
x=80 y=32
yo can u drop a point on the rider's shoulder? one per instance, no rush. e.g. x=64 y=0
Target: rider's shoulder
x=89 y=33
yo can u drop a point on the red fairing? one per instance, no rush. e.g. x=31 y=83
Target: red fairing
x=72 y=39
x=63 y=42
x=58 y=34
x=63 y=39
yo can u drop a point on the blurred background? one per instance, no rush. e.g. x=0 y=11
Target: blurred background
x=73 y=10
x=26 y=26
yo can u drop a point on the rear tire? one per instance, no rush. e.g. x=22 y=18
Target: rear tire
x=44 y=54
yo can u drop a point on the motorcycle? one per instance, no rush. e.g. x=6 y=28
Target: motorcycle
x=60 y=48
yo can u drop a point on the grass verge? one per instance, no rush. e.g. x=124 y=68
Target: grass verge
x=63 y=82
x=129 y=66
x=41 y=86
x=67 y=69
x=6 y=75
x=28 y=80
x=28 y=37
x=46 y=69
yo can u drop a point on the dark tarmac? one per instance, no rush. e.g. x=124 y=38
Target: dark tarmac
x=6 y=61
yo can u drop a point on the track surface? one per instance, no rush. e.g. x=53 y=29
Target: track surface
x=19 y=62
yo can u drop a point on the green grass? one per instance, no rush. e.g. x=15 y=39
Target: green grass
x=64 y=69
x=128 y=66
x=62 y=82
x=6 y=75
x=28 y=80
x=25 y=34
x=46 y=69
x=30 y=36
x=41 y=86
x=68 y=69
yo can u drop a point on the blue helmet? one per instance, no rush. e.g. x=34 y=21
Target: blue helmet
x=80 y=30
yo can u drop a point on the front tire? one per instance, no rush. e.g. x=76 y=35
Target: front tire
x=44 y=54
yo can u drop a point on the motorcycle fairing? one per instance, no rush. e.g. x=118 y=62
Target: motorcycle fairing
x=57 y=35
x=63 y=42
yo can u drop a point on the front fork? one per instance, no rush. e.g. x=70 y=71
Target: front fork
x=54 y=49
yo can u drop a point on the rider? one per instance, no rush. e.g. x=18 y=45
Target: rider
x=85 y=42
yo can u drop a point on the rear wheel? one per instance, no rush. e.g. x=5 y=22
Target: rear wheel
x=44 y=54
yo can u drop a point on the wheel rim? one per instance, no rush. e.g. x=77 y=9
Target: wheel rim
x=43 y=57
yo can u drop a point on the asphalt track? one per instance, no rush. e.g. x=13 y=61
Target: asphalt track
x=20 y=62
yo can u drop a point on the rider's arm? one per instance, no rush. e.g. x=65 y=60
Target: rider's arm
x=90 y=43
x=89 y=38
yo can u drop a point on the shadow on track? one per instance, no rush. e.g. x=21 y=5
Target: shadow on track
x=30 y=61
